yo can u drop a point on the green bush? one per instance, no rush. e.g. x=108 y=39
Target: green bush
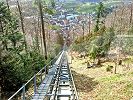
x=109 y=68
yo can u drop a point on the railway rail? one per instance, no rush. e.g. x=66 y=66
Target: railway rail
x=58 y=84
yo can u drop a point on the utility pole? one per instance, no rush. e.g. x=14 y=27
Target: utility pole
x=43 y=30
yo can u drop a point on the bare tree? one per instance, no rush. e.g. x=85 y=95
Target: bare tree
x=43 y=30
x=89 y=24
x=114 y=19
x=22 y=23
x=36 y=36
x=40 y=35
x=131 y=13
x=21 y=17
x=121 y=19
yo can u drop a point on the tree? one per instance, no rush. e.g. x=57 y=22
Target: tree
x=22 y=24
x=7 y=2
x=100 y=13
x=89 y=23
x=100 y=45
x=131 y=14
x=16 y=66
x=43 y=30
x=11 y=41
x=4 y=18
x=60 y=39
x=44 y=9
x=37 y=45
x=121 y=19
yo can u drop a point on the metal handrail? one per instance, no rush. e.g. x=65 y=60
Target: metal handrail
x=76 y=93
x=53 y=93
x=74 y=85
x=34 y=77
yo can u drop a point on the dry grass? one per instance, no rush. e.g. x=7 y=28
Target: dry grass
x=97 y=84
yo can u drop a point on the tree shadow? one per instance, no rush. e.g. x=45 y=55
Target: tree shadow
x=83 y=83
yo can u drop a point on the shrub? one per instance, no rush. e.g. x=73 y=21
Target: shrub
x=109 y=68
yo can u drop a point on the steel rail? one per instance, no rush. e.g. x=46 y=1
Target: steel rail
x=55 y=95
x=44 y=68
x=62 y=79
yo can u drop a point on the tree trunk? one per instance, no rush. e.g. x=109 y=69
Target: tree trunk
x=43 y=30
x=21 y=17
x=114 y=19
x=89 y=24
x=1 y=76
x=131 y=13
x=22 y=24
x=36 y=36
x=40 y=36
x=83 y=28
x=115 y=67
x=99 y=61
x=1 y=26
x=0 y=93
x=7 y=5
x=121 y=19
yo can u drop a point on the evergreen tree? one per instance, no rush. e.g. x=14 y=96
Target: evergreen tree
x=100 y=45
x=16 y=66
x=100 y=13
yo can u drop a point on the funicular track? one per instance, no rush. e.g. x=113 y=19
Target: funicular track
x=58 y=84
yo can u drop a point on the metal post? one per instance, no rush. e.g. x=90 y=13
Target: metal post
x=0 y=93
x=45 y=70
x=41 y=76
x=34 y=84
x=51 y=62
x=23 y=94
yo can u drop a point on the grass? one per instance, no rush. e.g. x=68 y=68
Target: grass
x=98 y=84
x=111 y=79
x=89 y=7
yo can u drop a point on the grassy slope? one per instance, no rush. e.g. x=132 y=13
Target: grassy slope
x=88 y=7
x=97 y=84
